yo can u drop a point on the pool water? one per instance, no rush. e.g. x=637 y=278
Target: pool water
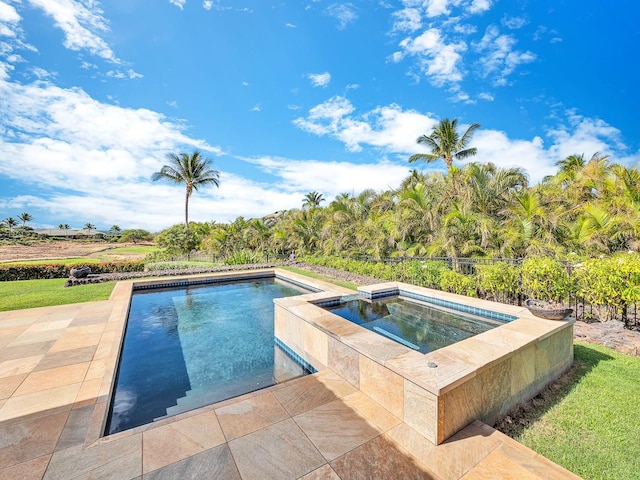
x=412 y=323
x=192 y=346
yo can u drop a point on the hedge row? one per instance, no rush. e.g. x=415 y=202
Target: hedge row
x=26 y=271
x=610 y=283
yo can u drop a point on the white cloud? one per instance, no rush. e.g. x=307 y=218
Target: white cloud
x=207 y=4
x=81 y=23
x=437 y=7
x=498 y=58
x=289 y=25
x=407 y=20
x=332 y=178
x=180 y=3
x=486 y=96
x=319 y=79
x=345 y=13
x=439 y=61
x=8 y=14
x=389 y=128
x=514 y=23
x=479 y=6
x=256 y=108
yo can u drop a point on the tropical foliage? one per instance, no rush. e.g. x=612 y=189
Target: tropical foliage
x=588 y=208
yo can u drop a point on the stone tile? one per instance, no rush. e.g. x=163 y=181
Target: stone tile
x=213 y=463
x=311 y=392
x=88 y=320
x=323 y=473
x=28 y=350
x=18 y=406
x=496 y=465
x=8 y=385
x=250 y=415
x=335 y=428
x=495 y=384
x=179 y=440
x=380 y=459
x=376 y=415
x=374 y=345
x=54 y=377
x=43 y=326
x=31 y=470
x=29 y=438
x=121 y=459
x=27 y=337
x=345 y=361
x=459 y=407
x=78 y=337
x=278 y=452
x=421 y=410
x=76 y=428
x=523 y=369
x=382 y=385
x=67 y=357
x=534 y=463
x=315 y=343
x=89 y=391
x=453 y=458
x=19 y=366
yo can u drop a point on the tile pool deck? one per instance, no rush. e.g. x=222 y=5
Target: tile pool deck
x=56 y=371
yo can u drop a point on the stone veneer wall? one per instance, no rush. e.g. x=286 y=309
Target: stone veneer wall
x=374 y=365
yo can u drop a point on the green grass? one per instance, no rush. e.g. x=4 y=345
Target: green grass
x=131 y=250
x=44 y=293
x=307 y=273
x=590 y=424
x=56 y=261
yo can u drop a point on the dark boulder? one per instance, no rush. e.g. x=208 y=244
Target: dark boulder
x=80 y=272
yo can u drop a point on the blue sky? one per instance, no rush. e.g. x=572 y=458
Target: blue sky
x=294 y=96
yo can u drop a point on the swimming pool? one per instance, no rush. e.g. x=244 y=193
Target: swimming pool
x=412 y=323
x=195 y=345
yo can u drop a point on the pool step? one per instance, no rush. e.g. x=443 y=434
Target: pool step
x=202 y=396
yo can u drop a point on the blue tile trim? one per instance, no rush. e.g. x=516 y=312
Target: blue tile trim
x=328 y=303
x=205 y=281
x=294 y=356
x=375 y=295
x=481 y=312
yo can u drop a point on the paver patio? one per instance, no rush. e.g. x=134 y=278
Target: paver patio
x=56 y=370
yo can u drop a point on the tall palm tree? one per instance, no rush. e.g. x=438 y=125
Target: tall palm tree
x=446 y=143
x=25 y=217
x=11 y=223
x=115 y=230
x=312 y=200
x=192 y=170
x=89 y=227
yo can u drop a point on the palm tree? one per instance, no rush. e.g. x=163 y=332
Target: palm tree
x=89 y=227
x=446 y=143
x=24 y=218
x=192 y=170
x=64 y=227
x=115 y=230
x=11 y=223
x=312 y=200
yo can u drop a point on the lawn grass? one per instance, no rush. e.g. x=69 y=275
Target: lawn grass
x=590 y=425
x=335 y=281
x=44 y=293
x=53 y=261
x=131 y=250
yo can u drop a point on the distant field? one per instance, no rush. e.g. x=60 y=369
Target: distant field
x=58 y=261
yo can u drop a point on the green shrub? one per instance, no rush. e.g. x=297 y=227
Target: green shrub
x=243 y=257
x=155 y=266
x=43 y=271
x=546 y=279
x=609 y=283
x=459 y=283
x=499 y=280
